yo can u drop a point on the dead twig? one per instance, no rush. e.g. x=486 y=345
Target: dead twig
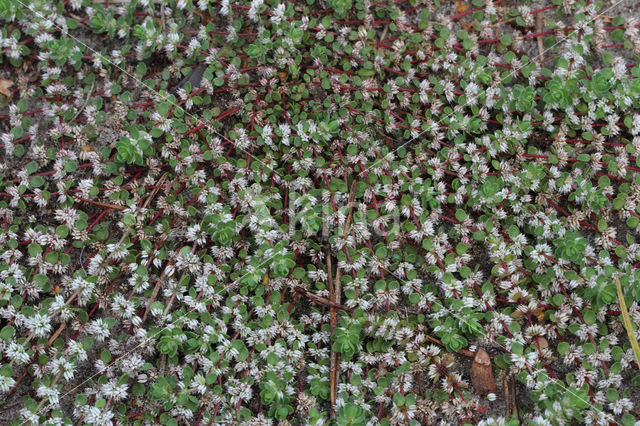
x=55 y=335
x=497 y=24
x=338 y=283
x=511 y=403
x=155 y=190
x=539 y=37
x=384 y=33
x=154 y=294
x=17 y=383
x=514 y=400
x=507 y=399
x=333 y=322
x=463 y=352
x=85 y=102
x=334 y=317
x=98 y=203
x=80 y=20
x=337 y=290
x=163 y=364
x=321 y=300
x=162 y=17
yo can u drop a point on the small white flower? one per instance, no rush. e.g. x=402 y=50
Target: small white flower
x=115 y=391
x=39 y=324
x=99 y=329
x=84 y=289
x=17 y=353
x=278 y=14
x=253 y=9
x=6 y=383
x=51 y=395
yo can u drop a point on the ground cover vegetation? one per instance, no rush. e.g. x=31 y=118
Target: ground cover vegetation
x=319 y=212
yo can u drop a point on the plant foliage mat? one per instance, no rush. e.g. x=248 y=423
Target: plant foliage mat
x=308 y=212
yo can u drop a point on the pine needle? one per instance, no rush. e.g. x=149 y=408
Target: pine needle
x=627 y=322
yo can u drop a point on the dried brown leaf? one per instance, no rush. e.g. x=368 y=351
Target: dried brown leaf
x=5 y=85
x=482 y=374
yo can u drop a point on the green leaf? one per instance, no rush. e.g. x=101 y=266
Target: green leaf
x=563 y=348
x=70 y=166
x=6 y=371
x=588 y=348
x=34 y=249
x=129 y=219
x=7 y=332
x=105 y=356
x=506 y=39
x=589 y=316
x=36 y=181
x=62 y=231
x=31 y=167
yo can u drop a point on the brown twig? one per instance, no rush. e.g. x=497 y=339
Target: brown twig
x=163 y=364
x=55 y=335
x=79 y=19
x=506 y=21
x=333 y=315
x=85 y=102
x=155 y=190
x=17 y=383
x=154 y=293
x=514 y=400
x=321 y=300
x=98 y=203
x=156 y=289
x=337 y=290
x=384 y=33
x=539 y=37
x=333 y=322
x=463 y=352
x=347 y=225
x=507 y=399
